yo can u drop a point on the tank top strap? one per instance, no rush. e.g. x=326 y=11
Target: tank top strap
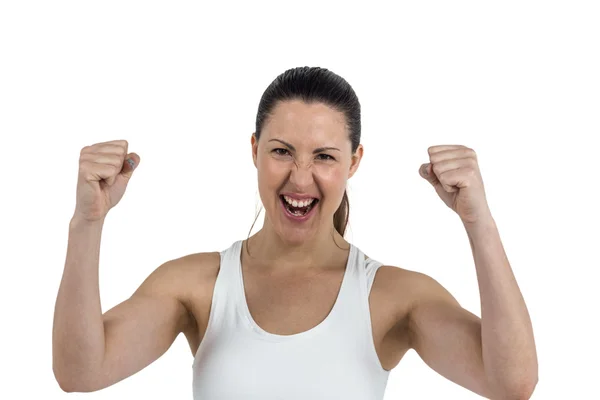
x=222 y=309
x=229 y=275
x=229 y=256
x=227 y=278
x=370 y=266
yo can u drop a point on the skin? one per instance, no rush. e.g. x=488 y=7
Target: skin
x=295 y=246
x=494 y=357
x=293 y=273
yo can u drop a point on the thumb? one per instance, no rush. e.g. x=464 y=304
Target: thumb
x=132 y=160
x=426 y=174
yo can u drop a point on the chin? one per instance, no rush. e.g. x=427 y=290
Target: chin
x=295 y=236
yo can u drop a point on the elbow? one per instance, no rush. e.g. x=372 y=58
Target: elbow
x=65 y=384
x=526 y=385
x=522 y=390
x=71 y=386
x=70 y=382
x=527 y=388
x=65 y=387
x=60 y=375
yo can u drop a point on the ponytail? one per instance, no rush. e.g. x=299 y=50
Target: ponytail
x=340 y=218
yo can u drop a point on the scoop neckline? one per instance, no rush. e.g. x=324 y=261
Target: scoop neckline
x=263 y=334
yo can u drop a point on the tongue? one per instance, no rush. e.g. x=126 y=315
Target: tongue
x=298 y=210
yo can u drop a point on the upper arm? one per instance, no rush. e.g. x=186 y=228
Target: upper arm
x=142 y=328
x=446 y=336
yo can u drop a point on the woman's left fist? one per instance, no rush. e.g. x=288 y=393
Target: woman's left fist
x=454 y=173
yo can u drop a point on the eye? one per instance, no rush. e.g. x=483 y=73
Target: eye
x=281 y=152
x=327 y=157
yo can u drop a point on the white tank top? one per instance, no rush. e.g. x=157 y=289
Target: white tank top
x=336 y=359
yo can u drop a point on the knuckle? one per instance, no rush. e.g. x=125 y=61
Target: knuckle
x=113 y=160
x=84 y=157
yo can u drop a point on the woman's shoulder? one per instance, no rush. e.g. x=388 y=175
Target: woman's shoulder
x=188 y=273
x=404 y=287
x=404 y=279
x=196 y=265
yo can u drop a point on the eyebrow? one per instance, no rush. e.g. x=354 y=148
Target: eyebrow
x=318 y=150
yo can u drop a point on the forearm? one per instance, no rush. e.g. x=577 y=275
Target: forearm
x=508 y=347
x=78 y=331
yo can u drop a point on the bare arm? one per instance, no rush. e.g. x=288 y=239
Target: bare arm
x=446 y=336
x=494 y=356
x=92 y=351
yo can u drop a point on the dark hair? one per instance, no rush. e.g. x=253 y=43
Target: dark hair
x=315 y=85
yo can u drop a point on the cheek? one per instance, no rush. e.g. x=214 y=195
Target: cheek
x=270 y=173
x=332 y=178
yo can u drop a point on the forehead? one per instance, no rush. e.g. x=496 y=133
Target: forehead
x=297 y=119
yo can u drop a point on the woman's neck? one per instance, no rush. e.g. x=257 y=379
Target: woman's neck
x=273 y=252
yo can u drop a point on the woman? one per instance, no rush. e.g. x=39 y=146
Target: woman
x=295 y=311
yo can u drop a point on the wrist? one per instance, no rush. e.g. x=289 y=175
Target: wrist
x=78 y=222
x=485 y=220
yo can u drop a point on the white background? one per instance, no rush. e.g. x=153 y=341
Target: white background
x=518 y=81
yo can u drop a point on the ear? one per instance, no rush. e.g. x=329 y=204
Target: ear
x=254 y=144
x=356 y=157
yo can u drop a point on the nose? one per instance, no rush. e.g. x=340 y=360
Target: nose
x=301 y=174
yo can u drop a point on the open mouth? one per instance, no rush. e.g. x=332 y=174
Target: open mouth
x=301 y=208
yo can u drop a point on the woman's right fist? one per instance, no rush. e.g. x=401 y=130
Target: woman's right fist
x=104 y=171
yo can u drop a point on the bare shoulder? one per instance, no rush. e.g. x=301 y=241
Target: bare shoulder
x=405 y=288
x=184 y=278
x=394 y=295
x=189 y=274
x=195 y=264
x=174 y=275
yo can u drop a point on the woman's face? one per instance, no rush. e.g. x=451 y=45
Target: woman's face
x=304 y=155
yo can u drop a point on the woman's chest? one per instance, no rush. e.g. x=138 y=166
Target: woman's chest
x=286 y=306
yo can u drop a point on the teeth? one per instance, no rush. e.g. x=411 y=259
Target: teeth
x=297 y=203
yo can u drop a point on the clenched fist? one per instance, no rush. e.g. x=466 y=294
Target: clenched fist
x=104 y=171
